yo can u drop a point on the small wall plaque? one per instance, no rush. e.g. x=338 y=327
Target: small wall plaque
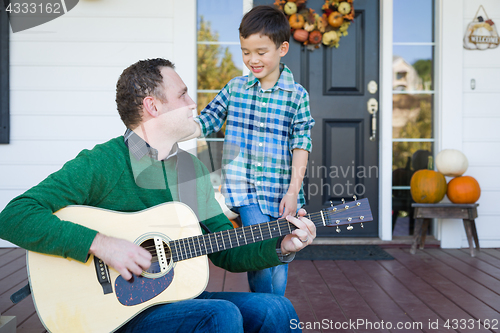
x=481 y=33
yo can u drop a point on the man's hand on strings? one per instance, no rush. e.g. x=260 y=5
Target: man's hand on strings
x=124 y=256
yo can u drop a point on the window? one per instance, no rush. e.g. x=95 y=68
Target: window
x=219 y=60
x=4 y=77
x=413 y=107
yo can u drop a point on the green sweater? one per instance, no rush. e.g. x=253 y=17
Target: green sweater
x=103 y=177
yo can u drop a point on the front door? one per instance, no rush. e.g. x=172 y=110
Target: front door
x=341 y=81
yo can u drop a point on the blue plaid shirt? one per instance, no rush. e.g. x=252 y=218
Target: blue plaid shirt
x=262 y=129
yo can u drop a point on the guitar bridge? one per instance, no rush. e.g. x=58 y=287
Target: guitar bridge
x=102 y=271
x=161 y=254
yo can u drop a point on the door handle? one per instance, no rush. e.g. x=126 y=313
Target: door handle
x=372 y=107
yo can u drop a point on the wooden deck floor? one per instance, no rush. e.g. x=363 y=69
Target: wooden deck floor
x=422 y=291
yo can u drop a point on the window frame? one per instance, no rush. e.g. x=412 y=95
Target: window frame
x=4 y=78
x=433 y=91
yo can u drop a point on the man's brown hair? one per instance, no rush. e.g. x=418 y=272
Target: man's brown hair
x=136 y=82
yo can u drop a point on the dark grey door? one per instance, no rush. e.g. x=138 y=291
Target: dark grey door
x=345 y=157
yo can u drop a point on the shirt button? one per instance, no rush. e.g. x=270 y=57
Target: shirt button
x=263 y=103
x=259 y=164
x=261 y=124
x=258 y=183
x=260 y=144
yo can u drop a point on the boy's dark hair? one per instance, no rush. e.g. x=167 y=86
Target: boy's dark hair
x=136 y=82
x=268 y=21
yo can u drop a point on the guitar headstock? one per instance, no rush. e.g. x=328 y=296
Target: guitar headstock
x=347 y=213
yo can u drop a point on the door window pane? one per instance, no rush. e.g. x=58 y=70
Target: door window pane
x=219 y=61
x=412 y=66
x=223 y=16
x=412 y=116
x=413 y=107
x=411 y=156
x=217 y=65
x=413 y=21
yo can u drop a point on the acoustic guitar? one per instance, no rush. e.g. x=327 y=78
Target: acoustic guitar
x=71 y=296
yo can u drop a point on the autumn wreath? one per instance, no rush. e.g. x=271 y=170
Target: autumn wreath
x=312 y=29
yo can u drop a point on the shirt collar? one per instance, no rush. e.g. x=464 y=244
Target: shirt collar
x=285 y=81
x=140 y=148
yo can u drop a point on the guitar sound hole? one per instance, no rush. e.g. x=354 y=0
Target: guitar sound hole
x=161 y=256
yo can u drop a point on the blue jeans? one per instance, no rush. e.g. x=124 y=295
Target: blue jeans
x=270 y=280
x=218 y=312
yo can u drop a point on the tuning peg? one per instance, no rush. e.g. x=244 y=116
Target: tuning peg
x=331 y=203
x=343 y=201
x=355 y=197
x=346 y=206
x=337 y=221
x=358 y=203
x=349 y=219
x=362 y=226
x=361 y=217
x=338 y=229
x=350 y=227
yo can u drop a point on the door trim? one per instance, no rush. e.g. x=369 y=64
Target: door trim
x=385 y=113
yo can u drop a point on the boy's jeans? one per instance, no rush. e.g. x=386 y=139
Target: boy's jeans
x=270 y=280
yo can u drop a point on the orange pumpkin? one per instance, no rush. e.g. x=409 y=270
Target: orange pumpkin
x=335 y=19
x=427 y=186
x=315 y=37
x=463 y=190
x=297 y=21
x=301 y=35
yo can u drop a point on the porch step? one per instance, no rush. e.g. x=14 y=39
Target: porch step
x=7 y=324
x=397 y=241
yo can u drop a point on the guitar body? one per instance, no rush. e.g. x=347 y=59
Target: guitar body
x=67 y=294
x=70 y=296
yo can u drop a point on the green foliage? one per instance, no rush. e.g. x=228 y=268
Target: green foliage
x=215 y=65
x=424 y=70
x=420 y=128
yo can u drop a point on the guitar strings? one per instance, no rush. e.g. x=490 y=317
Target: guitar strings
x=283 y=226
x=232 y=237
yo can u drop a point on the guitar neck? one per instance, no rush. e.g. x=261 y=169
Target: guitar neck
x=196 y=246
x=187 y=248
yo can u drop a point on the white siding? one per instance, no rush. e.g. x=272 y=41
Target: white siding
x=481 y=120
x=480 y=131
x=63 y=76
x=449 y=86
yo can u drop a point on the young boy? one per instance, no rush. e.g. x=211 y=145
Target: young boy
x=269 y=123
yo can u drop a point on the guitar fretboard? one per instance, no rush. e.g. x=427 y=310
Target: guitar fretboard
x=191 y=247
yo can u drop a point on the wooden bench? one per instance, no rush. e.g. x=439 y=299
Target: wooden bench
x=425 y=212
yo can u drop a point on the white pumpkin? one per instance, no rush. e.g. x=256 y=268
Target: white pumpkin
x=451 y=162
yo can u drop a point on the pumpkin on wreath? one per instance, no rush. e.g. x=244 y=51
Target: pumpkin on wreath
x=312 y=29
x=296 y=21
